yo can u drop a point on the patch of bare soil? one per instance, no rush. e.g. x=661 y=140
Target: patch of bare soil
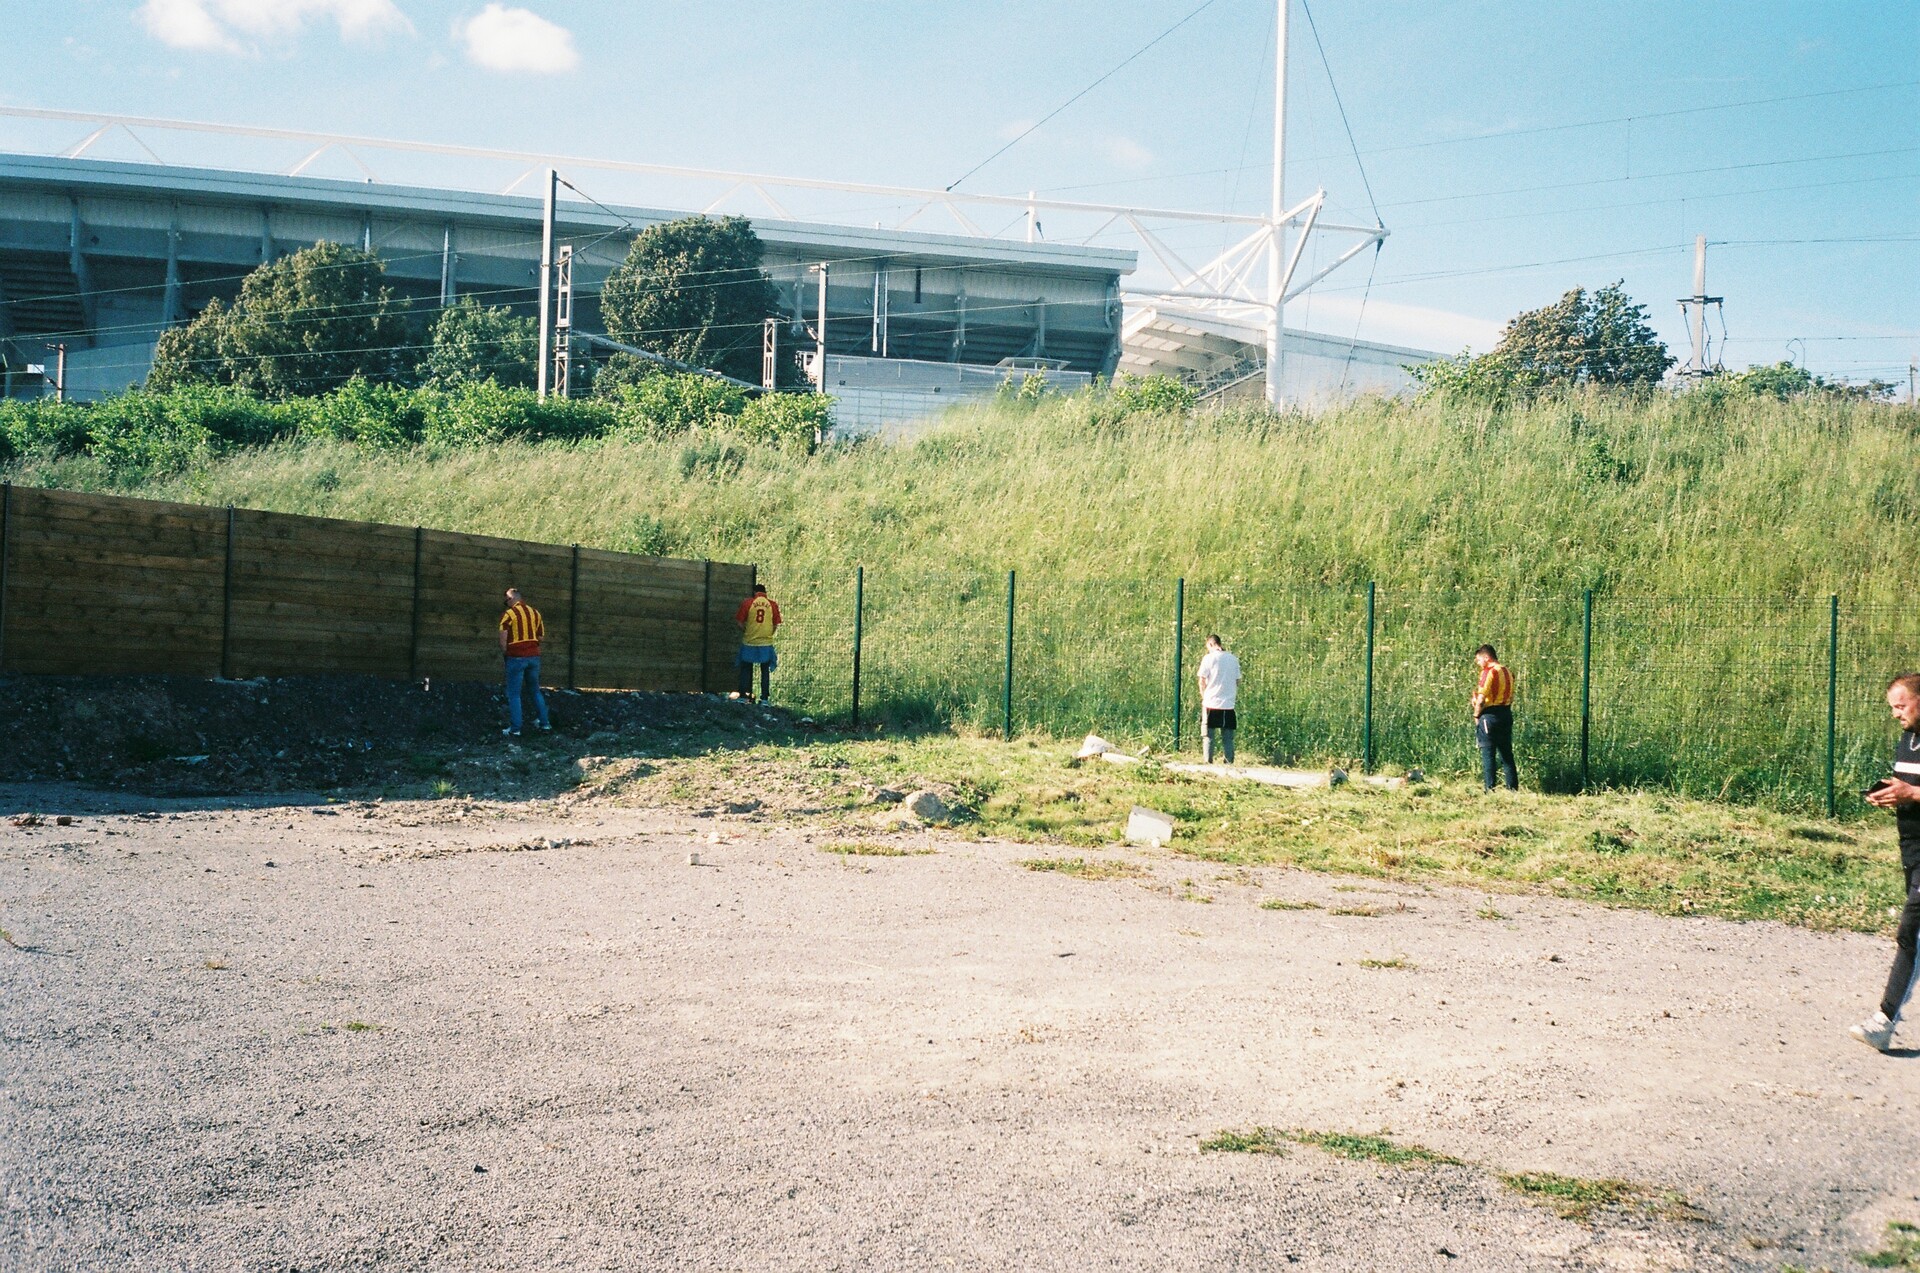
x=241 y=1032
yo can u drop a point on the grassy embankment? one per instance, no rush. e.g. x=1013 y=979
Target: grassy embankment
x=1711 y=528
x=1478 y=524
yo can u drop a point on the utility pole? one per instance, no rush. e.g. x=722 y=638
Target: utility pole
x=820 y=332
x=1694 y=308
x=563 y=321
x=546 y=282
x=1913 y=370
x=60 y=372
x=1276 y=285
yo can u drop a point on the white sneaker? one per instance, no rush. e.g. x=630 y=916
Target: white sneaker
x=1876 y=1032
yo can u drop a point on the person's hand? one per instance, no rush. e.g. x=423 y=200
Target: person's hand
x=1894 y=793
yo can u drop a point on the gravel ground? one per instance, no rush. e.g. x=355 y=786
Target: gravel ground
x=260 y=1034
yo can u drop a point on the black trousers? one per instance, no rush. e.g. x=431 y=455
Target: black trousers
x=1494 y=731
x=746 y=680
x=1900 y=980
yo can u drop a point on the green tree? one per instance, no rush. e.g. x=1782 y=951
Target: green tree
x=470 y=343
x=304 y=324
x=694 y=290
x=1584 y=339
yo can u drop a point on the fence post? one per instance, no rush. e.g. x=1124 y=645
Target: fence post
x=573 y=622
x=859 y=616
x=1179 y=651
x=413 y=635
x=1006 y=685
x=226 y=604
x=706 y=628
x=6 y=552
x=1366 y=727
x=1833 y=689
x=1586 y=682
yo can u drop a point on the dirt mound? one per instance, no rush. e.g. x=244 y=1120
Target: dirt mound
x=187 y=736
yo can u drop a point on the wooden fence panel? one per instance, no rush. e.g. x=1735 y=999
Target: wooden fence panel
x=108 y=586
x=101 y=585
x=640 y=622
x=463 y=581
x=730 y=586
x=316 y=592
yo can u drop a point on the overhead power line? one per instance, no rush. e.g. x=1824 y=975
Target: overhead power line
x=1128 y=61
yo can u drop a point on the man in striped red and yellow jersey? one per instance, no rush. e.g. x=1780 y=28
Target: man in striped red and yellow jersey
x=758 y=617
x=521 y=631
x=1493 y=718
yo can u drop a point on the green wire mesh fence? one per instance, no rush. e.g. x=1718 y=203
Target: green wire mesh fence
x=1717 y=697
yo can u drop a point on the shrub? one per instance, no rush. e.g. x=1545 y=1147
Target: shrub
x=669 y=403
x=787 y=419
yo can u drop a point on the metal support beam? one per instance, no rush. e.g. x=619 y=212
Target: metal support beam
x=449 y=262
x=881 y=306
x=171 y=310
x=266 y=236
x=1276 y=288
x=546 y=281
x=82 y=271
x=563 y=320
x=959 y=320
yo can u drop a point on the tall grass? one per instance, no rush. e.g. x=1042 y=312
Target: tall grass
x=1711 y=527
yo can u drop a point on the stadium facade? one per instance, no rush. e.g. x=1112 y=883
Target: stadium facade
x=103 y=256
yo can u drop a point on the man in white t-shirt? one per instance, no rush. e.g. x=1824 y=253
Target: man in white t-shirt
x=1219 y=684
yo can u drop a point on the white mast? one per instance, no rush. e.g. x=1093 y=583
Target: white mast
x=1276 y=284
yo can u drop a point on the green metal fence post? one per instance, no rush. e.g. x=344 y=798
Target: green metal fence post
x=1006 y=686
x=1366 y=726
x=1586 y=683
x=1179 y=652
x=1833 y=689
x=6 y=545
x=859 y=613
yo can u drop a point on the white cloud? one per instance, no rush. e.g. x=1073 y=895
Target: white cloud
x=503 y=39
x=1128 y=153
x=1392 y=323
x=225 y=25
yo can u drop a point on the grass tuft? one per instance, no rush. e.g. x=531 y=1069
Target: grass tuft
x=1089 y=869
x=1378 y=1149
x=1398 y=961
x=1285 y=904
x=1363 y=912
x=1579 y=1198
x=1902 y=1250
x=1261 y=1140
x=872 y=849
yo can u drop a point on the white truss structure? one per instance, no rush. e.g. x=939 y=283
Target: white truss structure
x=1247 y=283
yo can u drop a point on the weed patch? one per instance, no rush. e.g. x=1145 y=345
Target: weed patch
x=1089 y=869
x=872 y=849
x=1378 y=1149
x=1902 y=1250
x=1285 y=904
x=1579 y=1198
x=1398 y=961
x=1261 y=1140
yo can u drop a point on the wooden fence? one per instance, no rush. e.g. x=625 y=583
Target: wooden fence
x=100 y=585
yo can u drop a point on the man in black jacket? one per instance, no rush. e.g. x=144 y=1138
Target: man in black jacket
x=1900 y=793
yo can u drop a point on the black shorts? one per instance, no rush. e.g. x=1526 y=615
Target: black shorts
x=1221 y=718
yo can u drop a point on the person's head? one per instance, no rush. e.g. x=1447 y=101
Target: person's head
x=513 y=596
x=759 y=590
x=1903 y=699
x=1215 y=643
x=1485 y=655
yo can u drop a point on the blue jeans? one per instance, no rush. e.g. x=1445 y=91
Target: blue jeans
x=1494 y=732
x=524 y=671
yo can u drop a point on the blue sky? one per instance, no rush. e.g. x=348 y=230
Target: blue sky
x=1514 y=150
